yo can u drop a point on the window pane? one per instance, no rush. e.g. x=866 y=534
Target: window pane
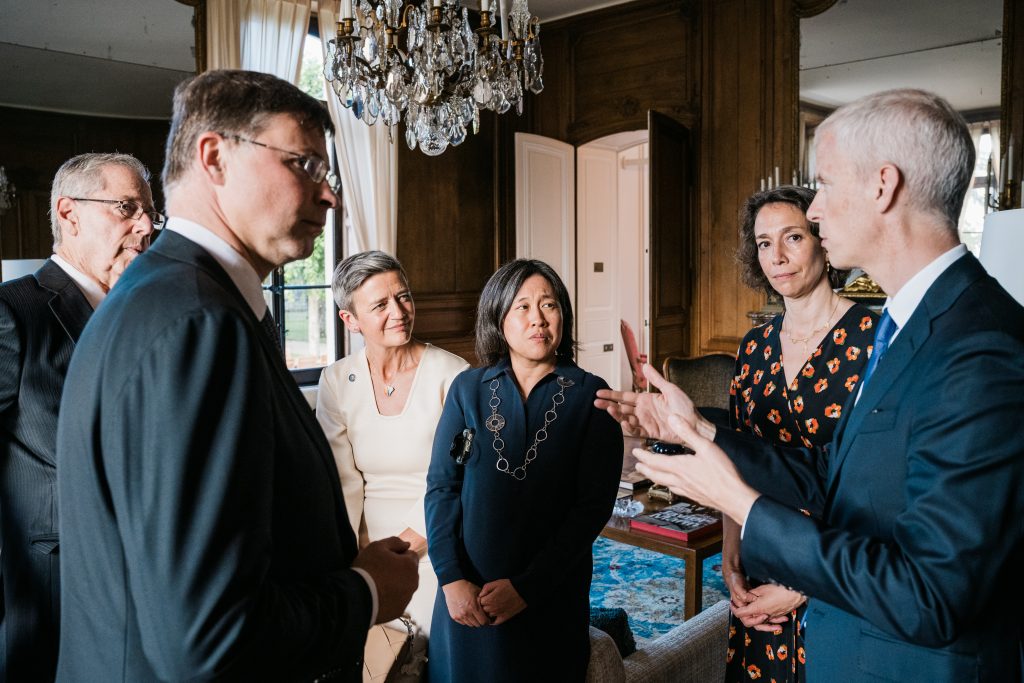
x=310 y=271
x=307 y=313
x=311 y=78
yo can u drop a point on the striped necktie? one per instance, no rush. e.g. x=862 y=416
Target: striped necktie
x=270 y=327
x=886 y=329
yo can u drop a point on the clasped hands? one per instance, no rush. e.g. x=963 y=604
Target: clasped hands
x=765 y=607
x=709 y=476
x=490 y=605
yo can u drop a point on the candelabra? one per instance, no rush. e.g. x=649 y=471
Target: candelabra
x=447 y=72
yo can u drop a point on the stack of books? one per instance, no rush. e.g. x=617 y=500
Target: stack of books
x=681 y=521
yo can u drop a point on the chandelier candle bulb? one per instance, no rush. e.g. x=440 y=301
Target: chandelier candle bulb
x=503 y=10
x=346 y=9
x=1009 y=161
x=485 y=5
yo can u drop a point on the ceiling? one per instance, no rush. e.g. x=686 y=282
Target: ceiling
x=858 y=47
x=124 y=57
x=104 y=57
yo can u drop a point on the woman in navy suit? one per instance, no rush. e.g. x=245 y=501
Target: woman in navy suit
x=513 y=510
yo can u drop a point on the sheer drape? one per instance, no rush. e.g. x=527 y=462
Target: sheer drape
x=223 y=33
x=258 y=35
x=367 y=161
x=273 y=32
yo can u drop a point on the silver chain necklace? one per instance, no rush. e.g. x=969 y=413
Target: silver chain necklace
x=496 y=422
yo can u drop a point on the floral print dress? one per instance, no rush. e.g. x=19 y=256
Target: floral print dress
x=802 y=413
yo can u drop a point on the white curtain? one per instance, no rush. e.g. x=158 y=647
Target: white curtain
x=273 y=32
x=223 y=34
x=367 y=161
x=258 y=35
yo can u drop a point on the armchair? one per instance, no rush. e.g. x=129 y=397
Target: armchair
x=693 y=652
x=706 y=380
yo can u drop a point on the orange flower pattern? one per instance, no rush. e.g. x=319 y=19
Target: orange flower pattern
x=805 y=413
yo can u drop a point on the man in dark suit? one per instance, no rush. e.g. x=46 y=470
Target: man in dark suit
x=915 y=546
x=205 y=531
x=101 y=213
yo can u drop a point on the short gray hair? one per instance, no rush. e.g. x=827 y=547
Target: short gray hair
x=357 y=269
x=82 y=175
x=918 y=132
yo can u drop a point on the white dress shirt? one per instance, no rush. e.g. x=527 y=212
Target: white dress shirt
x=94 y=294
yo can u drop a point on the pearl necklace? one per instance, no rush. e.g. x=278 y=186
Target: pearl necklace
x=810 y=335
x=496 y=422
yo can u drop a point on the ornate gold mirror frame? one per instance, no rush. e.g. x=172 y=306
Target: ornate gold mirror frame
x=199 y=24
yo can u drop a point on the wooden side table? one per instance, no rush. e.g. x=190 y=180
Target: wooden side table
x=693 y=553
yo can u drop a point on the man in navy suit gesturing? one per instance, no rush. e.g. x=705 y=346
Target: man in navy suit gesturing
x=915 y=544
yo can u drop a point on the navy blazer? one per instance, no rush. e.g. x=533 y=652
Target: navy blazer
x=41 y=317
x=205 y=534
x=914 y=560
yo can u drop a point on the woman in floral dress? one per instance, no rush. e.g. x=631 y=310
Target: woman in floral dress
x=793 y=376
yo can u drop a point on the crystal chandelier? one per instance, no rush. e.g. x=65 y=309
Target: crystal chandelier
x=441 y=75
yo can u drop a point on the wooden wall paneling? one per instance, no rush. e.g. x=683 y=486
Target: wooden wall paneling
x=36 y=143
x=606 y=69
x=671 y=224
x=446 y=234
x=550 y=112
x=625 y=64
x=447 y=320
x=746 y=131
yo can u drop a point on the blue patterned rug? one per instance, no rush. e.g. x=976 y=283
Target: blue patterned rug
x=648 y=585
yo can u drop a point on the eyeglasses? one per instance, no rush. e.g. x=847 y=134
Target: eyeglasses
x=128 y=209
x=315 y=167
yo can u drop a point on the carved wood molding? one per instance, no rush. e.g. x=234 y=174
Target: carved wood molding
x=805 y=9
x=199 y=24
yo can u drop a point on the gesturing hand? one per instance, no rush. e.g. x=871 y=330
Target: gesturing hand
x=463 y=604
x=647 y=414
x=707 y=477
x=501 y=601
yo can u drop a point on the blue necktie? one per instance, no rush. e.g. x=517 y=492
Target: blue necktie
x=883 y=335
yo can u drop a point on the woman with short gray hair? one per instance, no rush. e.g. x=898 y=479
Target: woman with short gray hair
x=379 y=407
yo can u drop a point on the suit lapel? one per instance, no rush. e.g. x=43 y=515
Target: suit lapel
x=939 y=298
x=180 y=248
x=895 y=362
x=68 y=304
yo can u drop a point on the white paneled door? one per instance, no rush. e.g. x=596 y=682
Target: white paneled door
x=597 y=303
x=545 y=206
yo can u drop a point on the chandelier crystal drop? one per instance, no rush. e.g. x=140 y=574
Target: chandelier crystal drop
x=428 y=66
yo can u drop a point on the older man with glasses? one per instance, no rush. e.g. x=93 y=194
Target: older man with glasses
x=208 y=532
x=102 y=216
